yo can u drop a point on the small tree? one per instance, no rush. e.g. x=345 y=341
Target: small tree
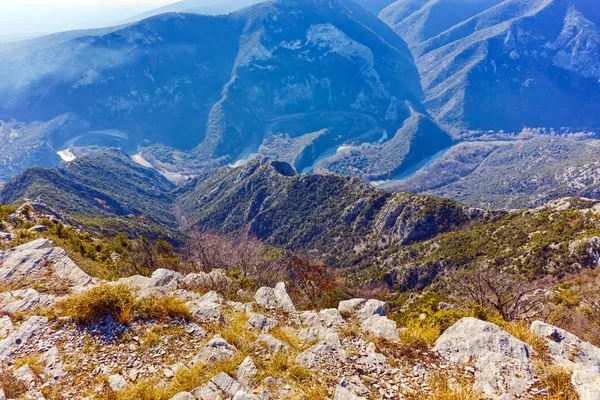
x=207 y=251
x=313 y=282
x=502 y=291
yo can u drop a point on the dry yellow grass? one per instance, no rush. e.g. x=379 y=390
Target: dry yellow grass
x=118 y=301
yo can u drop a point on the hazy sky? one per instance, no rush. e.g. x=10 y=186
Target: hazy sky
x=20 y=19
x=86 y=3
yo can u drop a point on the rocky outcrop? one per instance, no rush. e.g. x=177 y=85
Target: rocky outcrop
x=566 y=349
x=362 y=309
x=275 y=299
x=38 y=259
x=338 y=345
x=21 y=336
x=217 y=349
x=502 y=362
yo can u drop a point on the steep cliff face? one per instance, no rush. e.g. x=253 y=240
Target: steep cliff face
x=503 y=65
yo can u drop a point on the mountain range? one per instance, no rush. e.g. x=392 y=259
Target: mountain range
x=504 y=64
x=370 y=235
x=325 y=86
x=213 y=89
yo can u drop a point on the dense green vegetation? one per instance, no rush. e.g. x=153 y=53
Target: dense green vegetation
x=106 y=185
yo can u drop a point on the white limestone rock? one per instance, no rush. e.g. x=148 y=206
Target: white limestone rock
x=271 y=344
x=6 y=326
x=40 y=257
x=164 y=279
x=53 y=366
x=117 y=383
x=381 y=327
x=362 y=309
x=566 y=349
x=246 y=371
x=21 y=336
x=502 y=362
x=217 y=349
x=587 y=384
x=275 y=299
x=261 y=323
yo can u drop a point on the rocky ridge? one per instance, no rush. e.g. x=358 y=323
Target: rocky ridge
x=232 y=341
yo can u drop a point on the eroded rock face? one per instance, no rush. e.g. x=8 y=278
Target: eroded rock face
x=566 y=349
x=22 y=335
x=39 y=258
x=275 y=299
x=362 y=309
x=587 y=384
x=502 y=362
x=217 y=349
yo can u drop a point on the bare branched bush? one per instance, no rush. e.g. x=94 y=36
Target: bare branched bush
x=505 y=292
x=248 y=255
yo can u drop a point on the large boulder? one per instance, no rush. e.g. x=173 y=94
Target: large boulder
x=587 y=384
x=381 y=327
x=217 y=349
x=275 y=298
x=361 y=309
x=207 y=308
x=566 y=349
x=164 y=279
x=502 y=362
